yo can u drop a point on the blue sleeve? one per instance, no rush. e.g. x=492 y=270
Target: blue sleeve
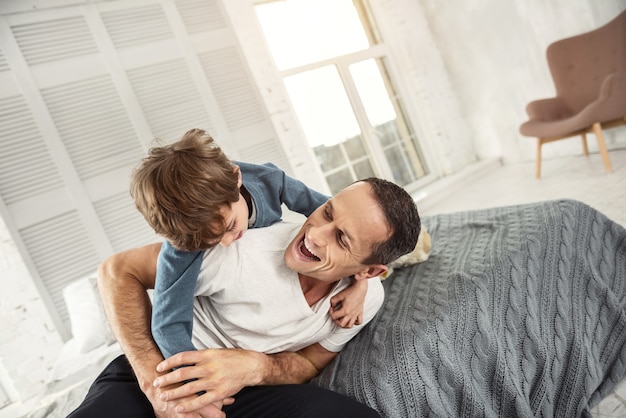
x=270 y=187
x=298 y=197
x=172 y=304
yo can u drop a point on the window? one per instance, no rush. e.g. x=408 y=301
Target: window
x=335 y=70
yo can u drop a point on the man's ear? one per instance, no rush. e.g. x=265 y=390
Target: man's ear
x=371 y=271
x=238 y=171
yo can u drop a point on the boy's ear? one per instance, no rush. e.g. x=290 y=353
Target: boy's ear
x=371 y=271
x=238 y=171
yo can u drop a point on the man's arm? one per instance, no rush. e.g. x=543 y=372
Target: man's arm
x=297 y=367
x=224 y=372
x=123 y=280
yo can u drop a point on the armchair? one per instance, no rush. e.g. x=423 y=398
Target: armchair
x=589 y=74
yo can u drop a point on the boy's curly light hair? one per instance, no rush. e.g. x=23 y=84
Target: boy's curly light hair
x=182 y=188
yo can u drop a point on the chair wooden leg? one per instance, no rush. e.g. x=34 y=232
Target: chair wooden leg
x=597 y=130
x=585 y=149
x=538 y=166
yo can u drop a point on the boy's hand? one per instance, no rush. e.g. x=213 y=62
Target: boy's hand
x=347 y=306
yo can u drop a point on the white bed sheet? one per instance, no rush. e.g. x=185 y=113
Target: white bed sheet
x=70 y=378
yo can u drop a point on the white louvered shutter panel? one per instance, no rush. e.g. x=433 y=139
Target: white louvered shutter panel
x=26 y=167
x=62 y=251
x=28 y=178
x=59 y=250
x=169 y=99
x=201 y=15
x=4 y=65
x=102 y=81
x=137 y=25
x=114 y=213
x=52 y=183
x=232 y=88
x=93 y=125
x=238 y=99
x=53 y=40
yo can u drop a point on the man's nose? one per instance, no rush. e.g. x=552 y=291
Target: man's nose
x=319 y=234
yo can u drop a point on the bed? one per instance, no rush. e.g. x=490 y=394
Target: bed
x=520 y=311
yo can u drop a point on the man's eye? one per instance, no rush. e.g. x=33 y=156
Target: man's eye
x=340 y=239
x=327 y=214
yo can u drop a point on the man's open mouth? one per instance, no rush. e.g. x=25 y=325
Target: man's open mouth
x=304 y=250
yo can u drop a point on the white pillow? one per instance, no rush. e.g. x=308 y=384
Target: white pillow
x=89 y=325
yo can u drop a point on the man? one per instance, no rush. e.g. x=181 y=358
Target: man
x=356 y=233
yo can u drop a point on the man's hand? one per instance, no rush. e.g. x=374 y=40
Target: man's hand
x=165 y=409
x=209 y=411
x=219 y=373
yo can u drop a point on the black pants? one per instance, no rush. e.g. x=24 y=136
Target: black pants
x=116 y=393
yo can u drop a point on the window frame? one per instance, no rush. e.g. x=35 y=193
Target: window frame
x=377 y=50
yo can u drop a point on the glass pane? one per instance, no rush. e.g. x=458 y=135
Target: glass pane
x=384 y=113
x=329 y=157
x=363 y=170
x=301 y=32
x=373 y=92
x=354 y=147
x=413 y=160
x=339 y=180
x=387 y=133
x=402 y=171
x=322 y=106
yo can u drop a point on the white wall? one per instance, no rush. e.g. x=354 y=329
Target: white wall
x=420 y=68
x=494 y=52
x=29 y=341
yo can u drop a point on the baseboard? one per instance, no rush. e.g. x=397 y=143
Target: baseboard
x=444 y=187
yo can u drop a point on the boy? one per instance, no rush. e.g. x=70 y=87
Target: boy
x=194 y=196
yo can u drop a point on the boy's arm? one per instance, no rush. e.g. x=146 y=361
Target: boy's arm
x=270 y=187
x=172 y=305
x=346 y=307
x=298 y=197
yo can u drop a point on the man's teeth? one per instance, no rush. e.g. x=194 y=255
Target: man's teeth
x=304 y=248
x=307 y=247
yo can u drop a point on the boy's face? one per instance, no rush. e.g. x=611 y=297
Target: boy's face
x=236 y=220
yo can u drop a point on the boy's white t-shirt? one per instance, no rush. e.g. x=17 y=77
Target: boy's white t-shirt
x=247 y=298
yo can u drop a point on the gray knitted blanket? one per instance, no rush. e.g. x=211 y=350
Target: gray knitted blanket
x=519 y=312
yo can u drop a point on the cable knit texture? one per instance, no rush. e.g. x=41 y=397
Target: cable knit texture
x=519 y=312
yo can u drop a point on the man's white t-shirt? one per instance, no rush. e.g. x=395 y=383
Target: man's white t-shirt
x=247 y=298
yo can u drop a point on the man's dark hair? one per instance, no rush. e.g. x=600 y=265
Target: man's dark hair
x=401 y=214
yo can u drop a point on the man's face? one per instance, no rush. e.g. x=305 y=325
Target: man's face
x=338 y=236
